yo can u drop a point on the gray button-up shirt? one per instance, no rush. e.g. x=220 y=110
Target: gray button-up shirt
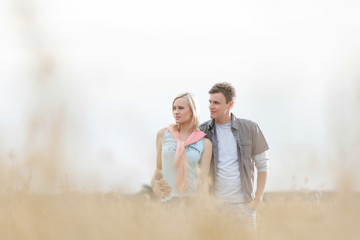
x=250 y=142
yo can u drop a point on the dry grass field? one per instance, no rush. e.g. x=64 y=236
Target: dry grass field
x=117 y=216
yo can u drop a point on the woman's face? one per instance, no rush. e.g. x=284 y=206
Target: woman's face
x=181 y=111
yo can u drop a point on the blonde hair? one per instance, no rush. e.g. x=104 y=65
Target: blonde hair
x=194 y=107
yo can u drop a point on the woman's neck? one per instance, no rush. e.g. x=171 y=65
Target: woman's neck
x=184 y=130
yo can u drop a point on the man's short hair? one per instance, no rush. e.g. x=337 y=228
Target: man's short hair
x=225 y=88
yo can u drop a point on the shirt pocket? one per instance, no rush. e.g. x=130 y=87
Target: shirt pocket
x=246 y=149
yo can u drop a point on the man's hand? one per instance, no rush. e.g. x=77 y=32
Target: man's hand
x=254 y=204
x=261 y=180
x=160 y=188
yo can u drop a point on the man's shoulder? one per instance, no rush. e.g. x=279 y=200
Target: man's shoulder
x=248 y=126
x=246 y=122
x=205 y=124
x=206 y=129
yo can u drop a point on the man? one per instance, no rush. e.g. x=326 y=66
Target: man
x=238 y=145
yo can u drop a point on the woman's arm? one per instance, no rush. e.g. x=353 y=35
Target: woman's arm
x=159 y=186
x=205 y=166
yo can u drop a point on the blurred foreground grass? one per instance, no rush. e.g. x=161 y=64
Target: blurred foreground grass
x=116 y=216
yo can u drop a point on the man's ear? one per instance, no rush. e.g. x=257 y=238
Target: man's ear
x=231 y=104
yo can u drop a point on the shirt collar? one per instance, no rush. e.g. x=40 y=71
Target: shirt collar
x=234 y=124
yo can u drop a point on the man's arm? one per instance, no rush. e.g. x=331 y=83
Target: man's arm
x=262 y=166
x=261 y=181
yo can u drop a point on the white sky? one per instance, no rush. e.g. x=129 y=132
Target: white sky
x=119 y=64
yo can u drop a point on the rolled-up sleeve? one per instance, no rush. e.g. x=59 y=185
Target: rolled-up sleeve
x=261 y=162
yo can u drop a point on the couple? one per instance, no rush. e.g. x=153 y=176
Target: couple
x=225 y=146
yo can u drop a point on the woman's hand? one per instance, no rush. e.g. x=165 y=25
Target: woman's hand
x=160 y=188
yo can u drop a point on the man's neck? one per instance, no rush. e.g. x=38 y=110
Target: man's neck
x=226 y=119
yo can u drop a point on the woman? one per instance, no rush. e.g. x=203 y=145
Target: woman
x=181 y=147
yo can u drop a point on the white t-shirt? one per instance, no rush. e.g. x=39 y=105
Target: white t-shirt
x=227 y=178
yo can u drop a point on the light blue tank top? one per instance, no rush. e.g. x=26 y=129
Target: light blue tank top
x=193 y=155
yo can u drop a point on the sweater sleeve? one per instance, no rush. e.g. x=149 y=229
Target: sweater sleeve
x=262 y=162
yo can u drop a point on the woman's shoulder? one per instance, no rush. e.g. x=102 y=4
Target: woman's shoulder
x=207 y=145
x=161 y=133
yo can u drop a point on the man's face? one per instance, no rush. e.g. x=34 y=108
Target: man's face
x=219 y=109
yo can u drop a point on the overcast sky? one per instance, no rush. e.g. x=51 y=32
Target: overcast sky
x=105 y=74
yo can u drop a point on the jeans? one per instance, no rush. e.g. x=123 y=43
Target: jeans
x=245 y=215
